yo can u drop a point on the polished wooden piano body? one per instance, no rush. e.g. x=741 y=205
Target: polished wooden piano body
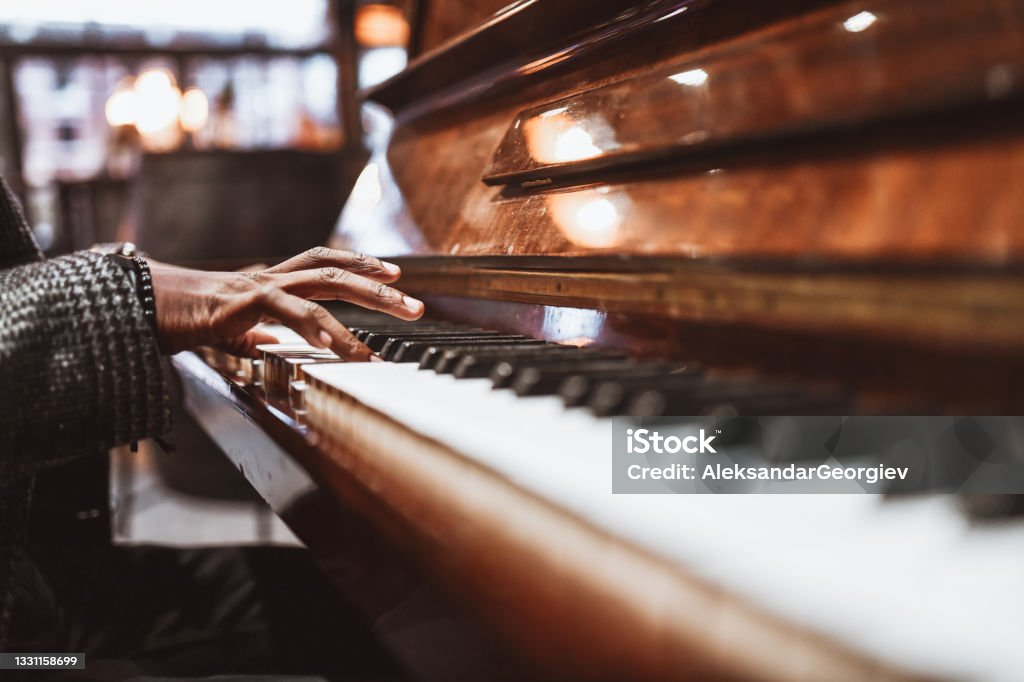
x=824 y=192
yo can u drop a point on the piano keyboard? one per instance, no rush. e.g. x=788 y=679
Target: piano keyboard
x=911 y=582
x=605 y=382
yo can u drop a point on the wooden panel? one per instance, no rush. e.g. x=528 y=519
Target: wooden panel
x=964 y=309
x=443 y=20
x=940 y=190
x=522 y=28
x=801 y=77
x=533 y=39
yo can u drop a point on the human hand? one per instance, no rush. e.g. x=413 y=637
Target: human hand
x=199 y=308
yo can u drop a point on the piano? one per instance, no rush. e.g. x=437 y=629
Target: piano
x=654 y=207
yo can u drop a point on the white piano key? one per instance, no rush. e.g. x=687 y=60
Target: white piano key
x=282 y=333
x=908 y=581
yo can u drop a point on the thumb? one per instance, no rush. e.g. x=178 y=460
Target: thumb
x=245 y=345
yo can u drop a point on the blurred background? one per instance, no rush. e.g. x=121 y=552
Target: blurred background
x=210 y=133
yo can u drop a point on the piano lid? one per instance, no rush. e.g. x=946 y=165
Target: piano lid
x=867 y=131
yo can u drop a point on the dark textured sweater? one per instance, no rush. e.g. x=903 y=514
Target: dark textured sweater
x=79 y=371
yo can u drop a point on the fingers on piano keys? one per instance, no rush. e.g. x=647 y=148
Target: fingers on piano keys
x=608 y=383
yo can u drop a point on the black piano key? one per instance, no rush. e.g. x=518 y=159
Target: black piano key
x=414 y=350
x=387 y=332
x=613 y=396
x=412 y=344
x=991 y=507
x=788 y=399
x=478 y=365
x=786 y=405
x=690 y=399
x=436 y=352
x=545 y=375
x=578 y=389
x=736 y=397
x=451 y=358
x=549 y=379
x=392 y=343
x=377 y=340
x=821 y=402
x=362 y=332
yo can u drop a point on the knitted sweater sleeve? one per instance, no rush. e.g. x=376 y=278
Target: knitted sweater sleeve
x=16 y=243
x=79 y=365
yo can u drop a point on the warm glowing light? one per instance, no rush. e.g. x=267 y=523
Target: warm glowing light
x=575 y=144
x=157 y=101
x=693 y=78
x=155 y=113
x=557 y=136
x=121 y=108
x=597 y=217
x=194 y=110
x=154 y=80
x=859 y=22
x=379 y=25
x=590 y=218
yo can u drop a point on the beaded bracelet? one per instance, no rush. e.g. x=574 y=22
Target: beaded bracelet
x=145 y=289
x=138 y=269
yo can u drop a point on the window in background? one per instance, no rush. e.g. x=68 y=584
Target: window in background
x=264 y=103
x=85 y=118
x=64 y=131
x=69 y=107
x=295 y=23
x=382 y=34
x=63 y=126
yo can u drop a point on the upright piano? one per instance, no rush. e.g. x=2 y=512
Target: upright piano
x=665 y=207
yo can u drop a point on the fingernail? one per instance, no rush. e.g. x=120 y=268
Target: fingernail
x=411 y=303
x=376 y=358
x=391 y=268
x=326 y=339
